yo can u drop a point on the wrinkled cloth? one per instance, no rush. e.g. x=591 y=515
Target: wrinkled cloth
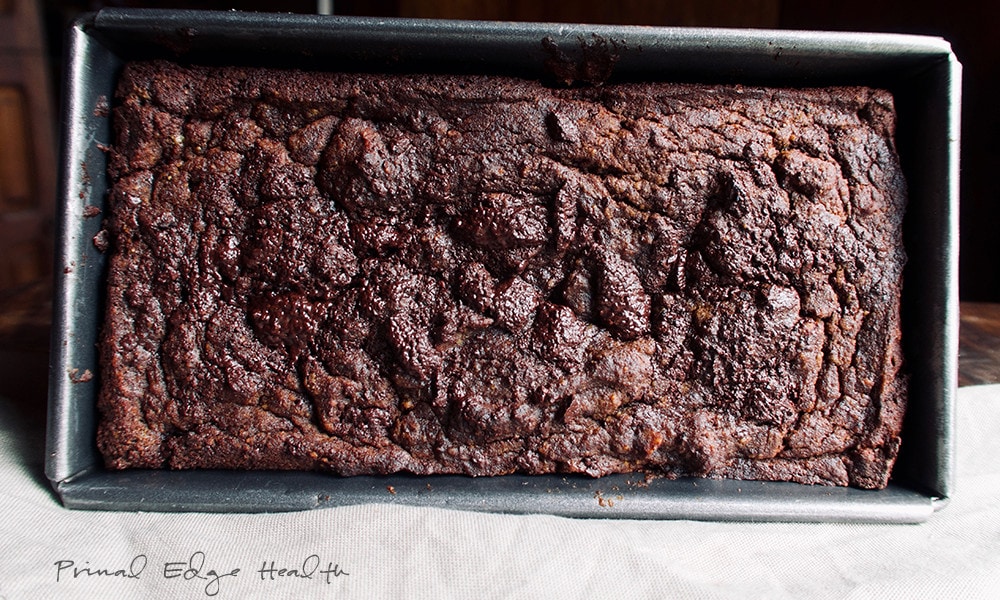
x=393 y=551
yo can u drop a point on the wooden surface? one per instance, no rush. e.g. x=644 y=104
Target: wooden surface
x=979 y=343
x=25 y=316
x=700 y=13
x=27 y=147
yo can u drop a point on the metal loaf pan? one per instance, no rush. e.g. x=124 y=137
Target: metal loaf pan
x=922 y=72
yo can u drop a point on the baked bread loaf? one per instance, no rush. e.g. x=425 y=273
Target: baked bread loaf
x=483 y=275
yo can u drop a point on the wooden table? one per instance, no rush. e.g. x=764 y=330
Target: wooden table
x=979 y=343
x=24 y=341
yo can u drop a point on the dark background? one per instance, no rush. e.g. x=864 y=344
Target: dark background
x=969 y=26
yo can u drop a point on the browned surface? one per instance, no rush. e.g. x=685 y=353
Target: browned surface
x=968 y=24
x=25 y=314
x=437 y=274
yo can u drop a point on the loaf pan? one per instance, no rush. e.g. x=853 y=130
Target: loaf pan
x=921 y=71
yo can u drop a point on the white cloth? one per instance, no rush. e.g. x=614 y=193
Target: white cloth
x=388 y=551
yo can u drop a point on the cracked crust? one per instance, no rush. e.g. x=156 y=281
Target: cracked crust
x=441 y=274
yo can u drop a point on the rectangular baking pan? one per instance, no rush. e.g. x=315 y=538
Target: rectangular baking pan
x=921 y=71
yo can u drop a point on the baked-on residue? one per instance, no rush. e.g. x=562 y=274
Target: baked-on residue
x=466 y=274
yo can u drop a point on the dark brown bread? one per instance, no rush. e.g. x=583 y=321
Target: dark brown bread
x=482 y=275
